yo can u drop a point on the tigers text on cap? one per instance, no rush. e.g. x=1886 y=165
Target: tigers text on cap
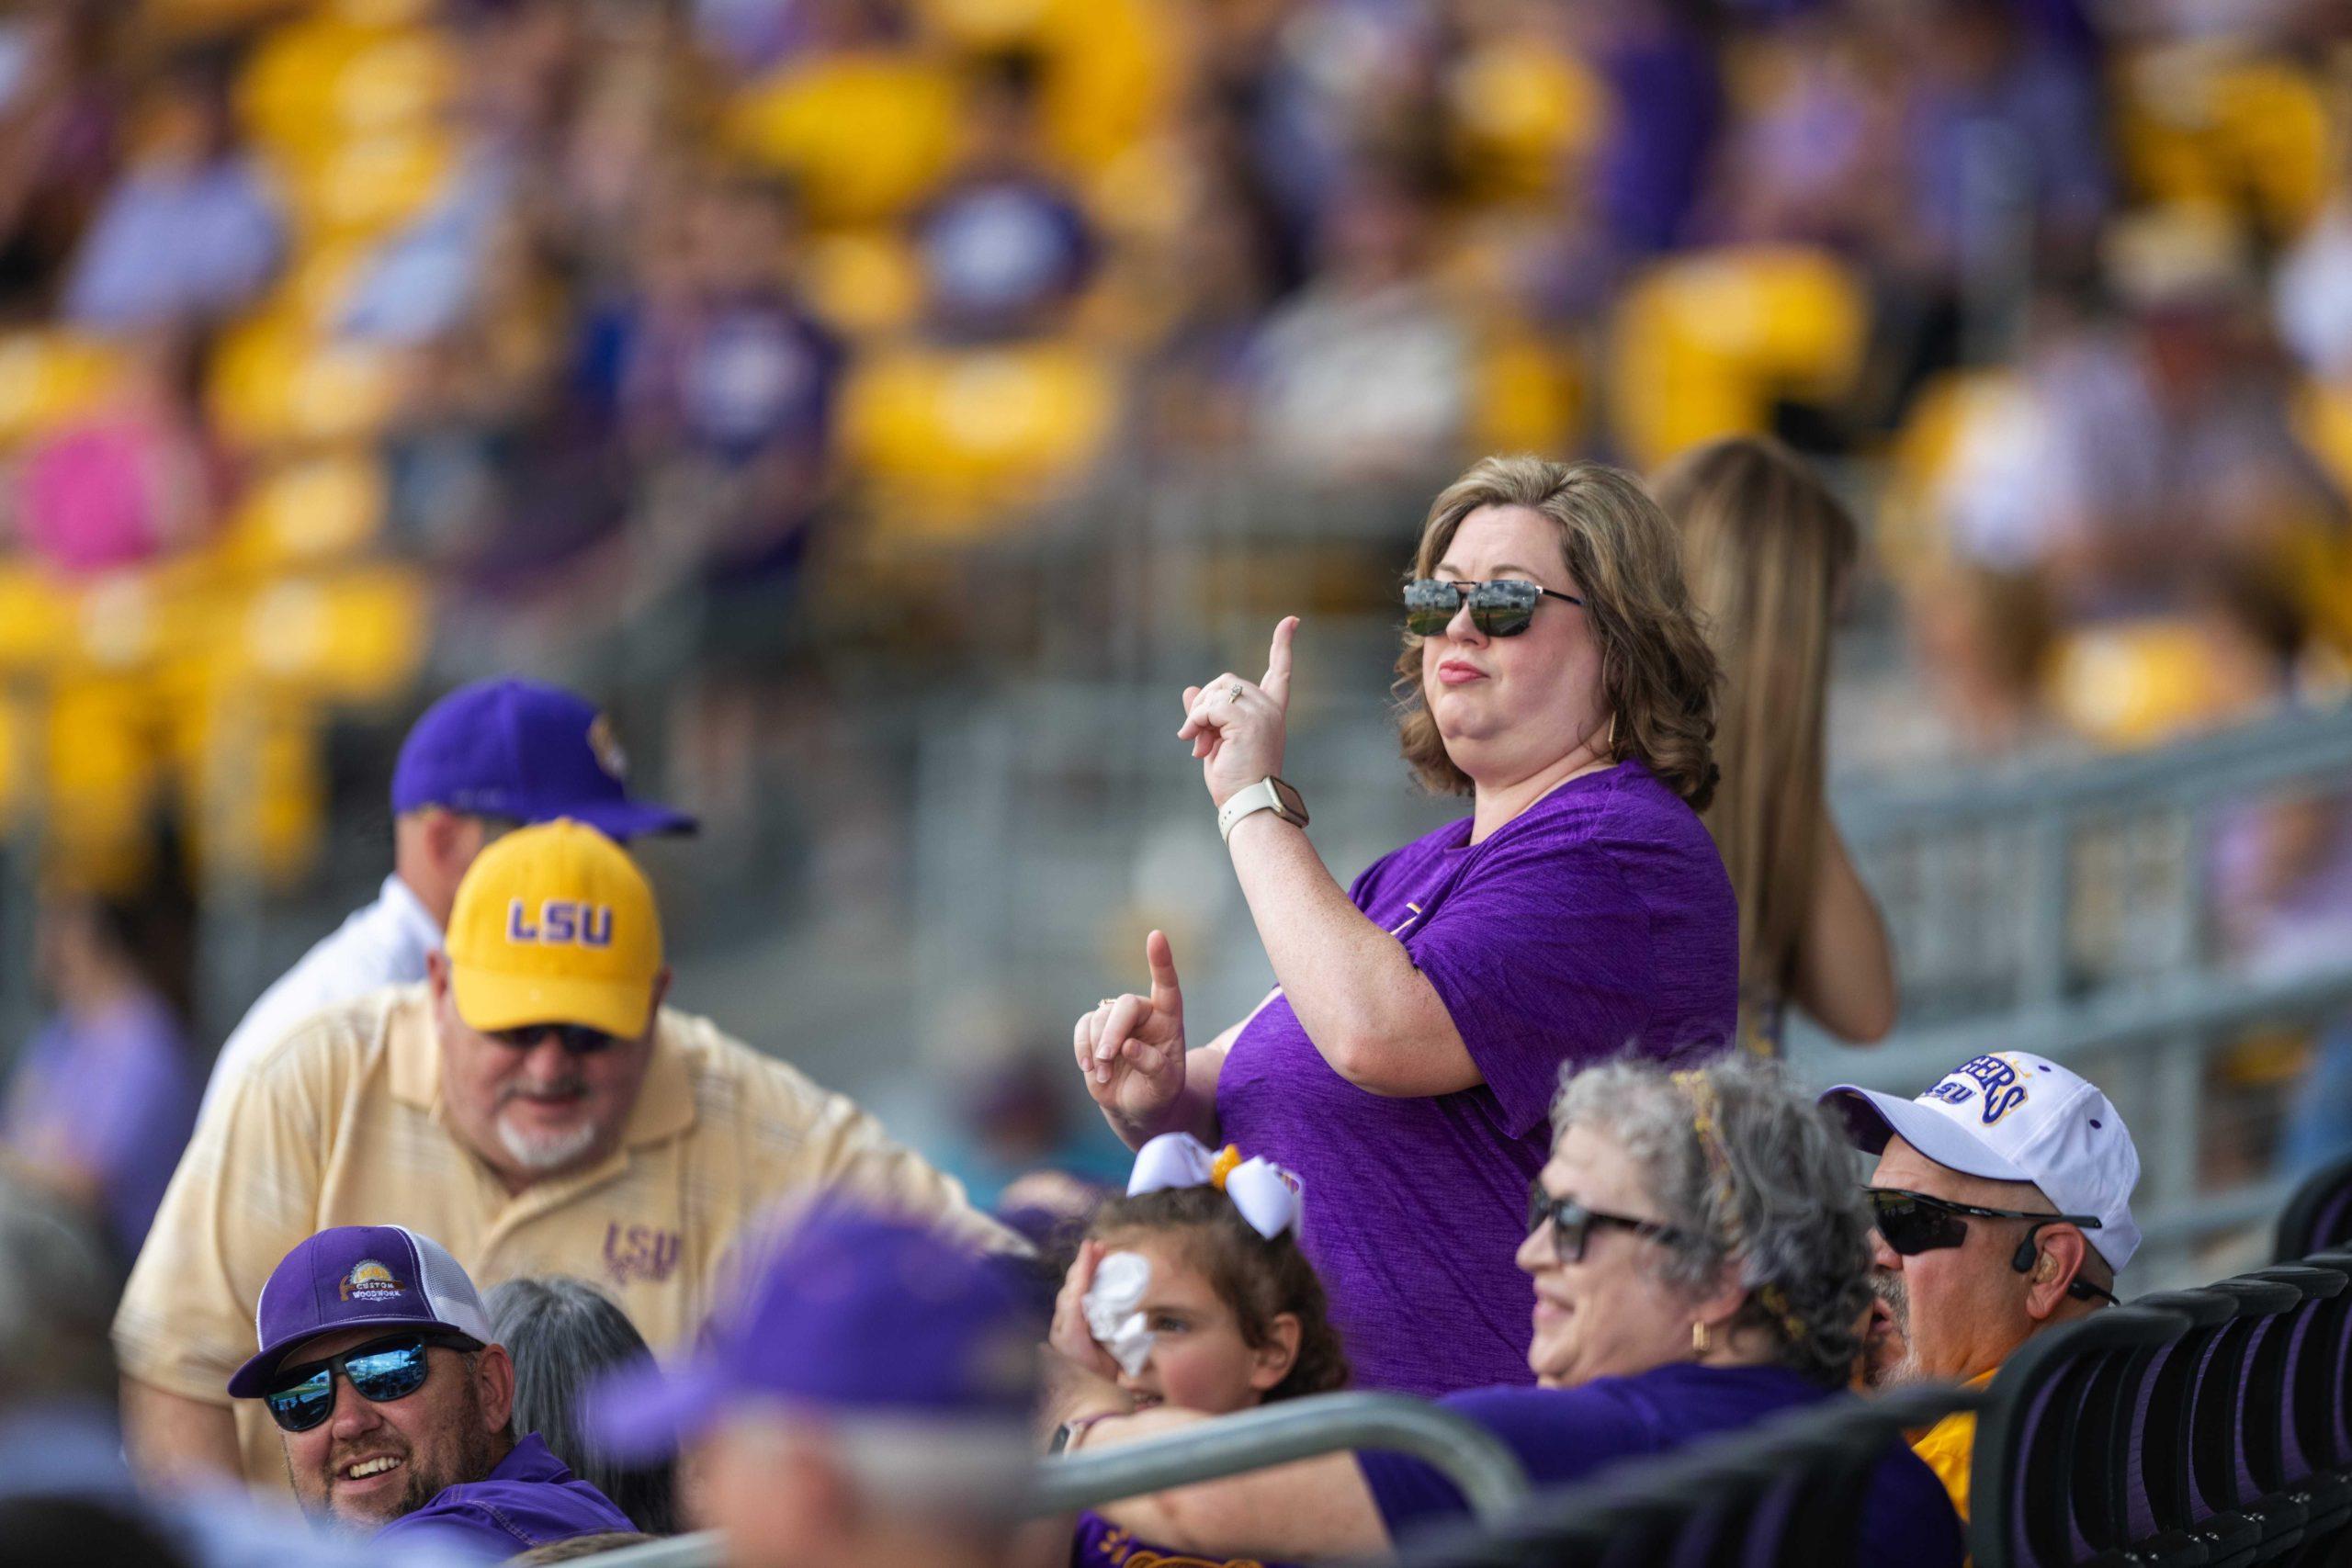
x=555 y=924
x=525 y=752
x=354 y=1276
x=2015 y=1116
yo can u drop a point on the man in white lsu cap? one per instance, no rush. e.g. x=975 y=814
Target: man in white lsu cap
x=2003 y=1202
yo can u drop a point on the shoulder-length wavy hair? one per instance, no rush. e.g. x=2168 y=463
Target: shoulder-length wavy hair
x=1657 y=673
x=1765 y=544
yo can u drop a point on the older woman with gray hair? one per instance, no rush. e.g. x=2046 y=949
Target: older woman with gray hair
x=565 y=1334
x=1699 y=1253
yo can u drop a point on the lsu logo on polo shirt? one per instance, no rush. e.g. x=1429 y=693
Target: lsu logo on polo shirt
x=559 y=922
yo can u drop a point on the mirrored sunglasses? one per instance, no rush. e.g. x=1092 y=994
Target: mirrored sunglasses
x=1502 y=607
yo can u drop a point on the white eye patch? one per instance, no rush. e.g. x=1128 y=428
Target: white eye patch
x=1120 y=1281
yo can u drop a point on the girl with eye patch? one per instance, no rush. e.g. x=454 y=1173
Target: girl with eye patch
x=1201 y=1308
x=1552 y=671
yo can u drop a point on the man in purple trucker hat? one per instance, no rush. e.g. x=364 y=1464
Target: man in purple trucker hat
x=486 y=757
x=379 y=1365
x=872 y=1402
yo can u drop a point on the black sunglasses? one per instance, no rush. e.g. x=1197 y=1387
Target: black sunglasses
x=577 y=1039
x=381 y=1370
x=1913 y=1222
x=1500 y=608
x=1572 y=1223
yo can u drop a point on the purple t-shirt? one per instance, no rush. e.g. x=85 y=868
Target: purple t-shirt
x=528 y=1500
x=1565 y=1435
x=1597 y=918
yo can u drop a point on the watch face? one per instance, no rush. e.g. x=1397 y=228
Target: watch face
x=1294 y=803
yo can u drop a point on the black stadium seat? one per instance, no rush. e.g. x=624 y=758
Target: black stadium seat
x=2319 y=1216
x=2044 y=1486
x=2154 y=1458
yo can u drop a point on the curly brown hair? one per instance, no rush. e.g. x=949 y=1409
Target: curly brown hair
x=1260 y=1280
x=1658 y=672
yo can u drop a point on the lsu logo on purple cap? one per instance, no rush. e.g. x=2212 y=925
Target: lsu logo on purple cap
x=2003 y=1088
x=560 y=923
x=369 y=1281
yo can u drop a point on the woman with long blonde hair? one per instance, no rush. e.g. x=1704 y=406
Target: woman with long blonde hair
x=1768 y=551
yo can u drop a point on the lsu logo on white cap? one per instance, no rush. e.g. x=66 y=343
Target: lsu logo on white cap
x=1996 y=1079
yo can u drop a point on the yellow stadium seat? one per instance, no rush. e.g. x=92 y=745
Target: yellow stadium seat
x=1704 y=346
x=358 y=637
x=2198 y=127
x=311 y=509
x=952 y=439
x=1111 y=76
x=866 y=136
x=252 y=769
x=1530 y=395
x=100 y=779
x=364 y=185
x=1908 y=532
x=36 y=618
x=1523 y=114
x=2126 y=685
x=862 y=282
x=277 y=382
x=48 y=378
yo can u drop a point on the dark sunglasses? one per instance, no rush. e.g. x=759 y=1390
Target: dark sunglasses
x=381 y=1370
x=1500 y=608
x=577 y=1039
x=1572 y=1223
x=1913 y=1222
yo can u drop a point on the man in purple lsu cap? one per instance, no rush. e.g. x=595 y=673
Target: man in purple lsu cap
x=486 y=757
x=872 y=1402
x=379 y=1365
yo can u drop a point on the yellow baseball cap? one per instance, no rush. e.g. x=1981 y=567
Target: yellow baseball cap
x=555 y=924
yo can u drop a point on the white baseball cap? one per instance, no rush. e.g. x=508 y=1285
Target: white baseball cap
x=2012 y=1116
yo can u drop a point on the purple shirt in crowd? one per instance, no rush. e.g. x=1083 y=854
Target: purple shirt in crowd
x=528 y=1500
x=1599 y=917
x=115 y=1094
x=1563 y=1435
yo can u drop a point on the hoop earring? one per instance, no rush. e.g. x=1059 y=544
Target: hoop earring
x=1702 y=1340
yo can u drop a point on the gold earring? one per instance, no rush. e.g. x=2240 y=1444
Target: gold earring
x=1701 y=1340
x=1612 y=732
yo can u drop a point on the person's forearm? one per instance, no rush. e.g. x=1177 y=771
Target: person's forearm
x=1845 y=966
x=173 y=1440
x=1374 y=1017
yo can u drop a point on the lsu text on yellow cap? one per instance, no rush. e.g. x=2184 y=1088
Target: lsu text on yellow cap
x=555 y=924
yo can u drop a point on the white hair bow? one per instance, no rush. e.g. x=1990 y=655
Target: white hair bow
x=1267 y=1195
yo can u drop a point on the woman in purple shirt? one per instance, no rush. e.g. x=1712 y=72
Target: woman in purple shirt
x=1553 y=671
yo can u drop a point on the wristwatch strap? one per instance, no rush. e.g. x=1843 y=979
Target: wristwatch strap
x=1252 y=799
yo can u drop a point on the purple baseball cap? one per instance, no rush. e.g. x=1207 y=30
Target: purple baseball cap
x=854 y=1314
x=521 y=749
x=353 y=1277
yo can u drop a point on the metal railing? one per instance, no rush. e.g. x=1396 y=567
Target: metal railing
x=1474 y=1459
x=2068 y=909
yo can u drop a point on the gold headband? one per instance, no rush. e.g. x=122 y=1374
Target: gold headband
x=1704 y=1112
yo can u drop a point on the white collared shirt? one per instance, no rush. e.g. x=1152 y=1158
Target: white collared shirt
x=382 y=945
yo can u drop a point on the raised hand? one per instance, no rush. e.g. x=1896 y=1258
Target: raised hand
x=1131 y=1049
x=1238 y=727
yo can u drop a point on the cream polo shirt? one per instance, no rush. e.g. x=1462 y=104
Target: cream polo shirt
x=341 y=1122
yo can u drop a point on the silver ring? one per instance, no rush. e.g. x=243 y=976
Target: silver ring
x=1233 y=692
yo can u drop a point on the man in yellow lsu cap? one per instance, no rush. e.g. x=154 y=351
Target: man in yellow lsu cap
x=532 y=1104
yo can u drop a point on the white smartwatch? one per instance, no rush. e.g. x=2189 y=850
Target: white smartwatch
x=1269 y=794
